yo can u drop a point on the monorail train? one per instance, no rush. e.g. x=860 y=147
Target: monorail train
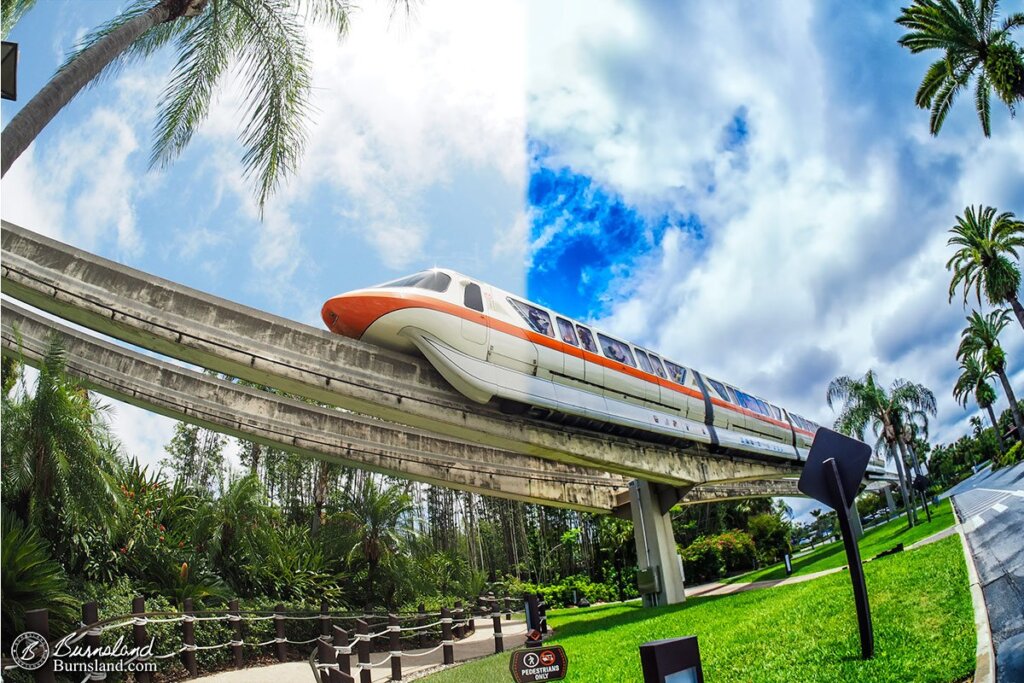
x=490 y=344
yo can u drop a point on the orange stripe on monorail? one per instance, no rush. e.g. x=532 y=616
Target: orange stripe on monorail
x=362 y=310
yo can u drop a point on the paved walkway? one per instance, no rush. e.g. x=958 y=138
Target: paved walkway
x=991 y=509
x=477 y=645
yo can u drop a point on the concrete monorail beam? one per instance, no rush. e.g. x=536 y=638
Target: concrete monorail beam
x=310 y=430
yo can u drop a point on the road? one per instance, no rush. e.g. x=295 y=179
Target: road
x=991 y=507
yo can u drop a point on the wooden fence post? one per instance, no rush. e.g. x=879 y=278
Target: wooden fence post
x=325 y=622
x=326 y=656
x=508 y=608
x=90 y=615
x=446 y=636
x=344 y=650
x=38 y=620
x=188 y=637
x=280 y=646
x=139 y=633
x=459 y=629
x=421 y=620
x=499 y=645
x=236 y=643
x=363 y=645
x=395 y=647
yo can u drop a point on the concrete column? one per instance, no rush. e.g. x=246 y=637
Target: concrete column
x=858 y=528
x=889 y=500
x=656 y=544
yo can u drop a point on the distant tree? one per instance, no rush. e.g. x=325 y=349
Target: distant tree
x=985 y=244
x=981 y=338
x=196 y=457
x=865 y=403
x=974 y=46
x=973 y=382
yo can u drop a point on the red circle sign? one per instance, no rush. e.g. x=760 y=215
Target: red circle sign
x=547 y=658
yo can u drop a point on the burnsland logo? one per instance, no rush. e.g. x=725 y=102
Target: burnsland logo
x=30 y=650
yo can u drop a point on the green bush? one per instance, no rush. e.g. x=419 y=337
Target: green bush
x=711 y=557
x=771 y=537
x=561 y=594
x=1011 y=457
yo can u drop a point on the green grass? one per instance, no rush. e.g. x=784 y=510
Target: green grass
x=876 y=540
x=920 y=603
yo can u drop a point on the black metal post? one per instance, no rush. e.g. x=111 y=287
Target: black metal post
x=860 y=589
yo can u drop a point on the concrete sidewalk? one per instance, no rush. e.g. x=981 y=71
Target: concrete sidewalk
x=477 y=645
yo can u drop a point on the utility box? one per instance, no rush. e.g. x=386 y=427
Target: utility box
x=648 y=580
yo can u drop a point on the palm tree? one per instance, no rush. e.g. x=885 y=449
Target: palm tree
x=265 y=38
x=59 y=459
x=866 y=402
x=981 y=336
x=982 y=261
x=378 y=521
x=974 y=382
x=974 y=48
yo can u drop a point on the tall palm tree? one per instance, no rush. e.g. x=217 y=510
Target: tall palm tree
x=378 y=520
x=264 y=38
x=974 y=382
x=59 y=459
x=974 y=46
x=865 y=402
x=981 y=336
x=982 y=261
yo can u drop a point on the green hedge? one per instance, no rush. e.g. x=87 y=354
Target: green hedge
x=712 y=557
x=1014 y=455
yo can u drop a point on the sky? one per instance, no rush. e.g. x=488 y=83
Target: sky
x=748 y=189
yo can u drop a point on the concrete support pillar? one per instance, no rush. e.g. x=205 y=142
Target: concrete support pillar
x=655 y=542
x=889 y=501
x=858 y=528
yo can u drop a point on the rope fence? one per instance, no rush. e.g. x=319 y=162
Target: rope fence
x=394 y=635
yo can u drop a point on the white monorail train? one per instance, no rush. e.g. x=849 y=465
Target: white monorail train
x=490 y=344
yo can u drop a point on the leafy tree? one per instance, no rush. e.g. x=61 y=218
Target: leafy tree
x=981 y=337
x=265 y=39
x=985 y=242
x=866 y=402
x=196 y=457
x=59 y=458
x=974 y=46
x=973 y=382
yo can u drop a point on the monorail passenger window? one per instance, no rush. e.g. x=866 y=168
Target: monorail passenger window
x=659 y=370
x=616 y=350
x=568 y=333
x=675 y=372
x=587 y=339
x=473 y=297
x=536 y=318
x=645 y=362
x=775 y=411
x=720 y=388
x=434 y=280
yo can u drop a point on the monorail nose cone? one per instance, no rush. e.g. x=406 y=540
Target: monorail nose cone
x=333 y=314
x=350 y=314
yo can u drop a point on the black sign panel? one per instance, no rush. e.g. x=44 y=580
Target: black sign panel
x=851 y=458
x=547 y=663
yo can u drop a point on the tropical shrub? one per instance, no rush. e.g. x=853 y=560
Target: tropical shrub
x=1014 y=455
x=702 y=560
x=771 y=537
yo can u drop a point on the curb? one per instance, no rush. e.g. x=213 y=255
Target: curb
x=985 y=664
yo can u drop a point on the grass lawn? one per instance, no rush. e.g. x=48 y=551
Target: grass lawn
x=876 y=540
x=920 y=603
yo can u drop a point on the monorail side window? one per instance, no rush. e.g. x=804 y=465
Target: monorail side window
x=566 y=331
x=675 y=372
x=720 y=388
x=659 y=370
x=616 y=350
x=645 y=362
x=775 y=411
x=587 y=339
x=474 y=298
x=536 y=318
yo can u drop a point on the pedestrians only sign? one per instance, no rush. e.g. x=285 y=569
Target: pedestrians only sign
x=547 y=663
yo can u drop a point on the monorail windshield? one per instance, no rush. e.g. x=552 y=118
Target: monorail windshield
x=434 y=280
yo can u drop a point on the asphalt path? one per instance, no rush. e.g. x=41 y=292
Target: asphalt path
x=991 y=508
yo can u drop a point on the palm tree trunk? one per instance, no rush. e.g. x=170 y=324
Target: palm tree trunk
x=908 y=504
x=995 y=427
x=1018 y=309
x=905 y=447
x=67 y=82
x=1014 y=408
